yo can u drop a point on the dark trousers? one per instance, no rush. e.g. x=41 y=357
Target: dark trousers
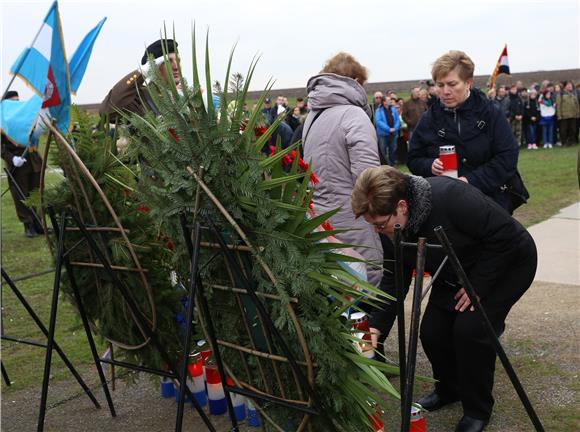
x=531 y=133
x=458 y=347
x=27 y=180
x=568 y=131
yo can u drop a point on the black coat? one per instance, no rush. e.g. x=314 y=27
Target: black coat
x=487 y=152
x=292 y=121
x=531 y=109
x=516 y=106
x=486 y=239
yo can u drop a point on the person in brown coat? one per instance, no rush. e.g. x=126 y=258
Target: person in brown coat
x=567 y=111
x=413 y=109
x=130 y=93
x=23 y=166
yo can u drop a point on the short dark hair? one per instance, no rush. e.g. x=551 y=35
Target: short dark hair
x=299 y=99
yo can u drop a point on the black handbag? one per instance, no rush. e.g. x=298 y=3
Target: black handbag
x=518 y=193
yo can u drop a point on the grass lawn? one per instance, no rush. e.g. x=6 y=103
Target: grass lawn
x=22 y=256
x=552 y=180
x=550 y=176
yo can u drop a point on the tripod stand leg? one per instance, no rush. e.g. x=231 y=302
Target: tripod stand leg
x=186 y=346
x=440 y=233
x=44 y=331
x=400 y=292
x=5 y=375
x=138 y=315
x=52 y=325
x=81 y=309
x=329 y=425
x=414 y=334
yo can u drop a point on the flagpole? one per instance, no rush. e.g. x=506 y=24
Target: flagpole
x=22 y=60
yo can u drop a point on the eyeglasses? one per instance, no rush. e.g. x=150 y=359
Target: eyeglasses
x=381 y=226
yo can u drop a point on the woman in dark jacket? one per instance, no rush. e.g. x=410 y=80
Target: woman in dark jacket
x=531 y=117
x=499 y=258
x=487 y=152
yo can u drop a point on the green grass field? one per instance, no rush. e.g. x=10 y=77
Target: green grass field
x=550 y=176
x=22 y=256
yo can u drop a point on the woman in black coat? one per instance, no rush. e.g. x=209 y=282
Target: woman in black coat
x=487 y=152
x=499 y=258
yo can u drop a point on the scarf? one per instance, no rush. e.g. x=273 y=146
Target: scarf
x=419 y=199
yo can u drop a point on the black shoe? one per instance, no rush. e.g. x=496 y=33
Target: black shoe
x=29 y=231
x=470 y=424
x=433 y=401
x=38 y=228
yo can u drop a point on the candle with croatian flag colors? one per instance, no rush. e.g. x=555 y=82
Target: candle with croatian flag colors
x=203 y=348
x=215 y=390
x=418 y=422
x=167 y=390
x=360 y=323
x=253 y=420
x=378 y=424
x=448 y=158
x=238 y=402
x=195 y=381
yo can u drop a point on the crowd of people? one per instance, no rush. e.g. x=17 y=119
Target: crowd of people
x=347 y=139
x=542 y=114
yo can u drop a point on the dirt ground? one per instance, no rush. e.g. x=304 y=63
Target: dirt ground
x=541 y=340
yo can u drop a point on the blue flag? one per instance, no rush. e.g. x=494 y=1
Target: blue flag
x=18 y=119
x=80 y=59
x=44 y=67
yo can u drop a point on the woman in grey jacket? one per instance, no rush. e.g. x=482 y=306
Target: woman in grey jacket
x=340 y=142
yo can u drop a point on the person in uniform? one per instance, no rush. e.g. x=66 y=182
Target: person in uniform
x=130 y=94
x=24 y=165
x=499 y=257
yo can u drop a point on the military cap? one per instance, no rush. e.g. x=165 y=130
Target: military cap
x=156 y=49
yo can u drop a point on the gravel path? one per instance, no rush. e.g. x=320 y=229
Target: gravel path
x=541 y=339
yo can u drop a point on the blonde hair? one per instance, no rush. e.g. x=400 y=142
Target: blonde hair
x=378 y=190
x=451 y=60
x=346 y=65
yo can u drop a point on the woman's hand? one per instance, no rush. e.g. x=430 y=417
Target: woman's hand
x=437 y=167
x=463 y=301
x=375 y=333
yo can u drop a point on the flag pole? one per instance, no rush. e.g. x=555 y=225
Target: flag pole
x=22 y=60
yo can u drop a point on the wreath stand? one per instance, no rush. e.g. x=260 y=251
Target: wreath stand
x=262 y=334
x=11 y=283
x=261 y=349
x=408 y=359
x=93 y=237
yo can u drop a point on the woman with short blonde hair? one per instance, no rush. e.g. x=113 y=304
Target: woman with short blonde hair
x=463 y=117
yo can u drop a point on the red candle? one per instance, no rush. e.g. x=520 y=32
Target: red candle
x=448 y=158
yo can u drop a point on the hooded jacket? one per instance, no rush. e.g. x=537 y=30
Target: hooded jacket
x=487 y=152
x=340 y=145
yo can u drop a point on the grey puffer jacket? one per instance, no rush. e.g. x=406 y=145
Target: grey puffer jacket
x=340 y=146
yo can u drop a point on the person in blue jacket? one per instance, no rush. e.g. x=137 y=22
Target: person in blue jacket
x=387 y=123
x=487 y=152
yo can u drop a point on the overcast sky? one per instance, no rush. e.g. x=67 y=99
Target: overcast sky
x=395 y=40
